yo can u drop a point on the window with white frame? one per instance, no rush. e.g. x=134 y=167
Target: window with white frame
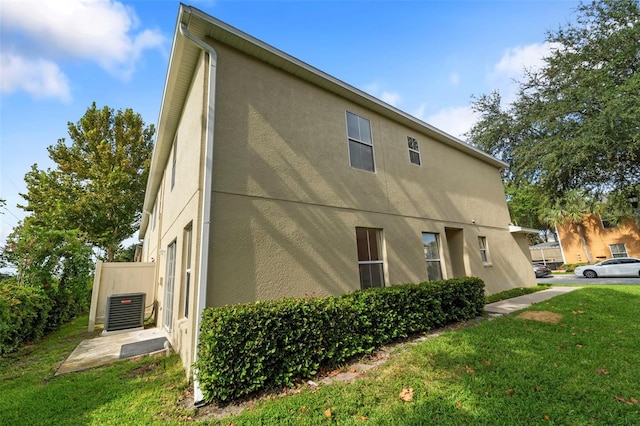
x=360 y=142
x=484 y=250
x=618 y=250
x=432 y=256
x=370 y=261
x=414 y=150
x=169 y=286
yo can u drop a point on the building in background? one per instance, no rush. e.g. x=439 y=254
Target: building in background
x=600 y=240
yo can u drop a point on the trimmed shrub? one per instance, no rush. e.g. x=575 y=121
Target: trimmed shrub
x=251 y=347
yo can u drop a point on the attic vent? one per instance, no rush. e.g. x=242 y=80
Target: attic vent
x=124 y=311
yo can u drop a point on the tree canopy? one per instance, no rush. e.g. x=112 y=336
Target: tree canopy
x=99 y=181
x=574 y=123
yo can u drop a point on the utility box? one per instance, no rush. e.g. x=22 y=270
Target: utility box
x=124 y=311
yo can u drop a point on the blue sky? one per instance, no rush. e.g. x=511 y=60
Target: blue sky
x=425 y=57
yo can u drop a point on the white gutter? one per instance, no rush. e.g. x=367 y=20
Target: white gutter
x=203 y=261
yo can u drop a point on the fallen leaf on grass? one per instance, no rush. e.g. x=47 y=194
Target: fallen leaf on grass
x=546 y=417
x=469 y=370
x=602 y=371
x=406 y=395
x=510 y=392
x=632 y=400
x=327 y=413
x=362 y=417
x=487 y=362
x=458 y=404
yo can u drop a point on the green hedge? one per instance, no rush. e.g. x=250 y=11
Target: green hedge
x=23 y=314
x=247 y=348
x=29 y=312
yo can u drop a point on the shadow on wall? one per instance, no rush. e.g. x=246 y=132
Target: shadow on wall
x=299 y=197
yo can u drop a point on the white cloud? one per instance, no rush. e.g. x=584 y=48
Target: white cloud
x=392 y=98
x=455 y=121
x=515 y=60
x=512 y=65
x=100 y=31
x=40 y=78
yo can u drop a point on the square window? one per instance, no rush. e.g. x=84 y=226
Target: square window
x=618 y=250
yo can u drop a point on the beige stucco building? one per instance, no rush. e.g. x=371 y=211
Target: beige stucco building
x=272 y=179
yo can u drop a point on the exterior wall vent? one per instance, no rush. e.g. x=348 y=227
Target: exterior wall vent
x=124 y=311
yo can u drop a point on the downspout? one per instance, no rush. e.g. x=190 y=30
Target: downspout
x=203 y=261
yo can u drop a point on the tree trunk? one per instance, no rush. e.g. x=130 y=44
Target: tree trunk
x=583 y=240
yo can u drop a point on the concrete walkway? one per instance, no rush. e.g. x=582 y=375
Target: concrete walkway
x=107 y=349
x=514 y=304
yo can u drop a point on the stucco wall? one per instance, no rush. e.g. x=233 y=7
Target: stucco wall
x=283 y=138
x=119 y=278
x=286 y=201
x=178 y=208
x=598 y=240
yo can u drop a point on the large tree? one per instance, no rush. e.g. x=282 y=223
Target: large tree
x=99 y=181
x=574 y=122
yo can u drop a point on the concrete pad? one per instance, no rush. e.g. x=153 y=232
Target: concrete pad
x=104 y=349
x=514 y=304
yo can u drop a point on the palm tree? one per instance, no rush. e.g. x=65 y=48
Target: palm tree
x=572 y=209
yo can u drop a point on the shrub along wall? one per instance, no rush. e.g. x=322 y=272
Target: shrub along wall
x=247 y=348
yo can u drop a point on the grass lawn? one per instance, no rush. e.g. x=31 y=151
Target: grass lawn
x=138 y=392
x=582 y=369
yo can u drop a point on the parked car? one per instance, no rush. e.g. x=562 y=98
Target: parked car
x=616 y=267
x=541 y=271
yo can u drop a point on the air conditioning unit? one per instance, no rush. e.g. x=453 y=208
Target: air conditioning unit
x=124 y=311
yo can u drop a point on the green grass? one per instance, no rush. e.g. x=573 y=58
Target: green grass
x=514 y=292
x=508 y=371
x=504 y=371
x=142 y=391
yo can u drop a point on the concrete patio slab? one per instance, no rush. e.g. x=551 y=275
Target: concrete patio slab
x=106 y=349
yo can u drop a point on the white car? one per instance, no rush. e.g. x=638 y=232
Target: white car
x=616 y=267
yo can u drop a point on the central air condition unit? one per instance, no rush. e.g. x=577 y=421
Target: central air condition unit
x=124 y=311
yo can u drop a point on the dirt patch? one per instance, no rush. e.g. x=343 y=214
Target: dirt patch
x=542 y=316
x=141 y=371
